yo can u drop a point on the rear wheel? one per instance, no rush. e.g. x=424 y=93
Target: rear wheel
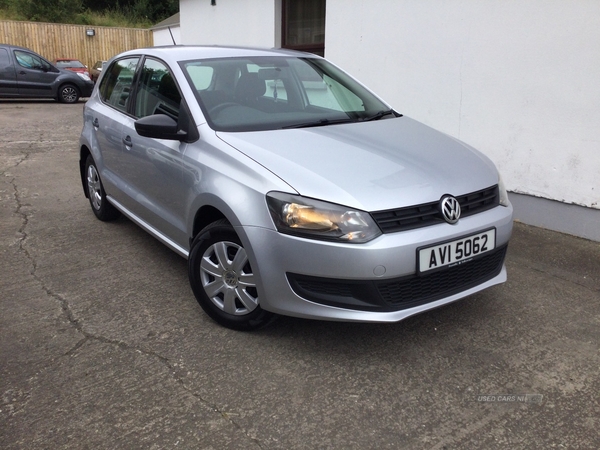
x=100 y=205
x=68 y=93
x=223 y=281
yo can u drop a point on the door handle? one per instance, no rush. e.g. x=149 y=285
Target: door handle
x=95 y=123
x=127 y=141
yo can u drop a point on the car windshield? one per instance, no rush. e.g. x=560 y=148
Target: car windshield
x=267 y=93
x=70 y=63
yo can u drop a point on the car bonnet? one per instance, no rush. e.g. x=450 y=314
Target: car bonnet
x=371 y=166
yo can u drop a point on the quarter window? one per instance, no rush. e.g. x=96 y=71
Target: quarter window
x=116 y=86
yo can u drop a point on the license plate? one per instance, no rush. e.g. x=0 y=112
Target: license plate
x=455 y=252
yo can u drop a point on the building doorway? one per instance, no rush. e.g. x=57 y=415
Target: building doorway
x=303 y=25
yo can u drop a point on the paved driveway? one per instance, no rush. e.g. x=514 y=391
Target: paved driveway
x=103 y=345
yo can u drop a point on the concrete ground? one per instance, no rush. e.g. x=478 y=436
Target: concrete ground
x=103 y=345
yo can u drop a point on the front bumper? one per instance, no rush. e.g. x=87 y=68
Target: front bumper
x=372 y=282
x=86 y=88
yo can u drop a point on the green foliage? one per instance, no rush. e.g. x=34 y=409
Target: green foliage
x=110 y=18
x=114 y=13
x=49 y=10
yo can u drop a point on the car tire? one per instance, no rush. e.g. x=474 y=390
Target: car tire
x=68 y=93
x=100 y=205
x=223 y=281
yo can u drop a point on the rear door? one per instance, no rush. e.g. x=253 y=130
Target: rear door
x=107 y=118
x=35 y=75
x=8 y=77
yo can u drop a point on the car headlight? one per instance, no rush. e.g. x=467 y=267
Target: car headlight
x=84 y=76
x=315 y=219
x=503 y=192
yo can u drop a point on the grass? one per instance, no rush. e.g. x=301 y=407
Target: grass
x=109 y=18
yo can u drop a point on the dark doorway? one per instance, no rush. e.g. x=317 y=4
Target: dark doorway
x=303 y=25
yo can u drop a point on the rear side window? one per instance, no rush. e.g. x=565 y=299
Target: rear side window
x=116 y=84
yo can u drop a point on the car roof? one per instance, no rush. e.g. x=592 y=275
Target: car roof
x=16 y=47
x=188 y=52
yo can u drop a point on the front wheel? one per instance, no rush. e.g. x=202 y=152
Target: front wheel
x=68 y=94
x=223 y=281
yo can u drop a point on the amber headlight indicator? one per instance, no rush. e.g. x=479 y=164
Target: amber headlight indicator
x=315 y=219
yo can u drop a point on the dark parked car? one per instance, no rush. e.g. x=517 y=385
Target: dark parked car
x=74 y=65
x=24 y=73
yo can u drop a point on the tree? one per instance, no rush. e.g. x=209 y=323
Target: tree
x=151 y=10
x=73 y=11
x=48 y=10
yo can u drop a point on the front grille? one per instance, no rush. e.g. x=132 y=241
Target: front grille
x=401 y=293
x=408 y=218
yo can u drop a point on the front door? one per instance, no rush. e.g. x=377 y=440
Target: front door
x=154 y=167
x=34 y=75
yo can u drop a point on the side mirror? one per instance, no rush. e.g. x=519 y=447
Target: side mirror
x=159 y=126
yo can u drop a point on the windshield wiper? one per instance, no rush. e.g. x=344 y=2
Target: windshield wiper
x=319 y=123
x=379 y=115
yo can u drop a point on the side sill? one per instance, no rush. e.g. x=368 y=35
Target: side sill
x=149 y=229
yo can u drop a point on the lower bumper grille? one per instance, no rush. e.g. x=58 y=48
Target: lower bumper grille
x=401 y=293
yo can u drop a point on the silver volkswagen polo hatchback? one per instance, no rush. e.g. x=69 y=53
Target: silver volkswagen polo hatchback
x=290 y=187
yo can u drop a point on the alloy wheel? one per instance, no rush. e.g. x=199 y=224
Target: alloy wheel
x=94 y=187
x=69 y=94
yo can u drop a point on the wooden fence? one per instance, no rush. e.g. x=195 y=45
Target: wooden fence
x=52 y=40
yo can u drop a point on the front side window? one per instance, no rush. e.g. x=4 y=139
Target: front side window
x=29 y=61
x=265 y=93
x=157 y=92
x=116 y=85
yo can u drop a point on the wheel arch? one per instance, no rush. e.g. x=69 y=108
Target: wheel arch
x=84 y=152
x=251 y=319
x=204 y=216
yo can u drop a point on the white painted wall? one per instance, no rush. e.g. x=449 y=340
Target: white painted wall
x=517 y=79
x=249 y=23
x=163 y=37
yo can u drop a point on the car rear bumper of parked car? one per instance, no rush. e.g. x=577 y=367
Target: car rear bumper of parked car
x=376 y=281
